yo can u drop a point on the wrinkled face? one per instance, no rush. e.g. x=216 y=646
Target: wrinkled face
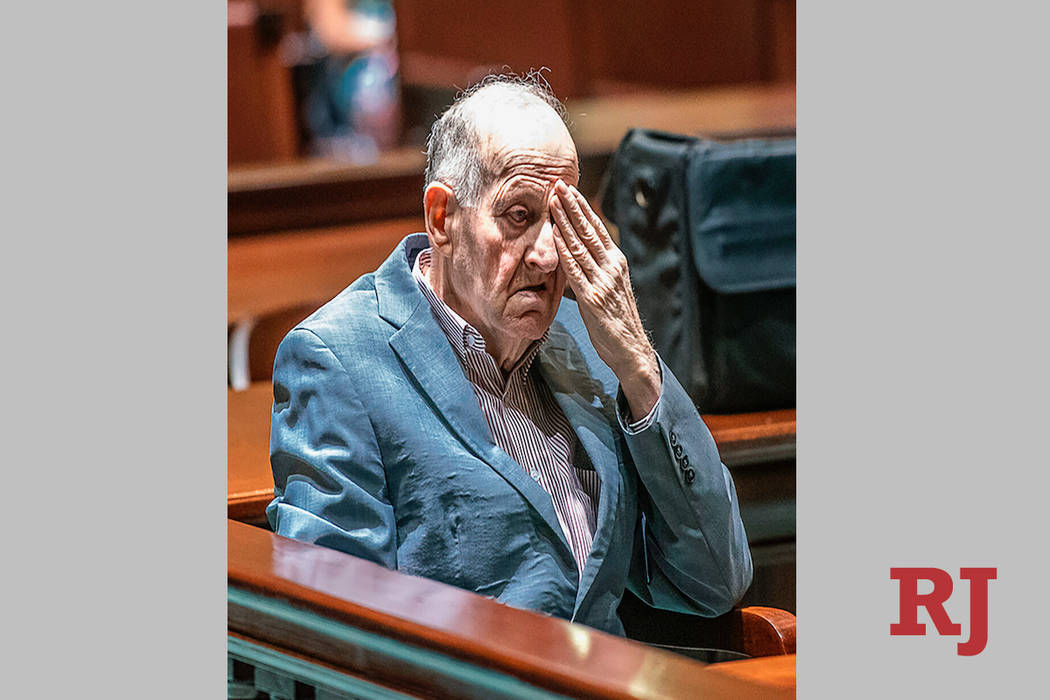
x=505 y=265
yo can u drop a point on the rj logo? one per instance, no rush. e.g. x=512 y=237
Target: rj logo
x=911 y=599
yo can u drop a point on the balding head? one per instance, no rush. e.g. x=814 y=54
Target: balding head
x=462 y=150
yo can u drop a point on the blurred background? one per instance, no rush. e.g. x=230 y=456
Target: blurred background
x=329 y=104
x=402 y=61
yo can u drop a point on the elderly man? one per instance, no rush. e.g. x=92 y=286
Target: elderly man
x=452 y=416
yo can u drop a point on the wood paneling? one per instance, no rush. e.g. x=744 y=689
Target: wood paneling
x=594 y=48
x=779 y=55
x=455 y=42
x=672 y=44
x=261 y=118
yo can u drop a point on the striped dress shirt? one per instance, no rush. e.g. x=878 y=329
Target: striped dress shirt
x=525 y=421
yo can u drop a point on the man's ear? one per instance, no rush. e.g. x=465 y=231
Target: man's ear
x=439 y=209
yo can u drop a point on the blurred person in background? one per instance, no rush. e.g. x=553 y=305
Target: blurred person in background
x=351 y=105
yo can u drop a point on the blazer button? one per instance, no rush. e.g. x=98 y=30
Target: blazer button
x=677 y=451
x=684 y=462
x=689 y=476
x=674 y=439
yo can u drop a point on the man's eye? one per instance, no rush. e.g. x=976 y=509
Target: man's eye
x=518 y=215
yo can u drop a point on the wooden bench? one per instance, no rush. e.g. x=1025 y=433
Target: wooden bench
x=275 y=271
x=307 y=621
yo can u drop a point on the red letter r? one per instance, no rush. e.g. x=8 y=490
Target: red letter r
x=910 y=600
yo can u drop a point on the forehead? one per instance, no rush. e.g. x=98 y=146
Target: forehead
x=529 y=147
x=530 y=173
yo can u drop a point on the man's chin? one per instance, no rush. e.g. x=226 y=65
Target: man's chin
x=532 y=323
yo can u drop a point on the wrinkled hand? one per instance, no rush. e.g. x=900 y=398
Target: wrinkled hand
x=597 y=272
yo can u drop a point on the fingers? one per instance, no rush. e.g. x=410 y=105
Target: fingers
x=575 y=274
x=584 y=224
x=573 y=251
x=592 y=217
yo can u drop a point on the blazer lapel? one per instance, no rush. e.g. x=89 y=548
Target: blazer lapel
x=591 y=413
x=428 y=357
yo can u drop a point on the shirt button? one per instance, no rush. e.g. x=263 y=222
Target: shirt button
x=689 y=476
x=677 y=451
x=674 y=439
x=684 y=462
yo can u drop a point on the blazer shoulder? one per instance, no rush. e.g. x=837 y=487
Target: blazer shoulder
x=350 y=321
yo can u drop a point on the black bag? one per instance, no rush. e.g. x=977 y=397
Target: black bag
x=708 y=229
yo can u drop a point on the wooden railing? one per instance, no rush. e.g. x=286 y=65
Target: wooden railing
x=306 y=621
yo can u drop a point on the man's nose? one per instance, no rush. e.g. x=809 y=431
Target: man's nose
x=543 y=254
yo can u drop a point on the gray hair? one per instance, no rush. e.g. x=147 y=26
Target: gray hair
x=454 y=148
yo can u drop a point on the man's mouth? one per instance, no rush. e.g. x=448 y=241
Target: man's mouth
x=541 y=286
x=536 y=288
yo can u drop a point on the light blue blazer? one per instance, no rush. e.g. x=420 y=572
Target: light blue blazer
x=379 y=449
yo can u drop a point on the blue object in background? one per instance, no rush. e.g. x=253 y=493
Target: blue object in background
x=352 y=103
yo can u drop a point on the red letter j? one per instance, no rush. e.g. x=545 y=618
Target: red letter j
x=979 y=578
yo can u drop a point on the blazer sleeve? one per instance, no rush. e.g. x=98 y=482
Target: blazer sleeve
x=691 y=552
x=329 y=482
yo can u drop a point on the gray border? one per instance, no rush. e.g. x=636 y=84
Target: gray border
x=922 y=339
x=114 y=288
